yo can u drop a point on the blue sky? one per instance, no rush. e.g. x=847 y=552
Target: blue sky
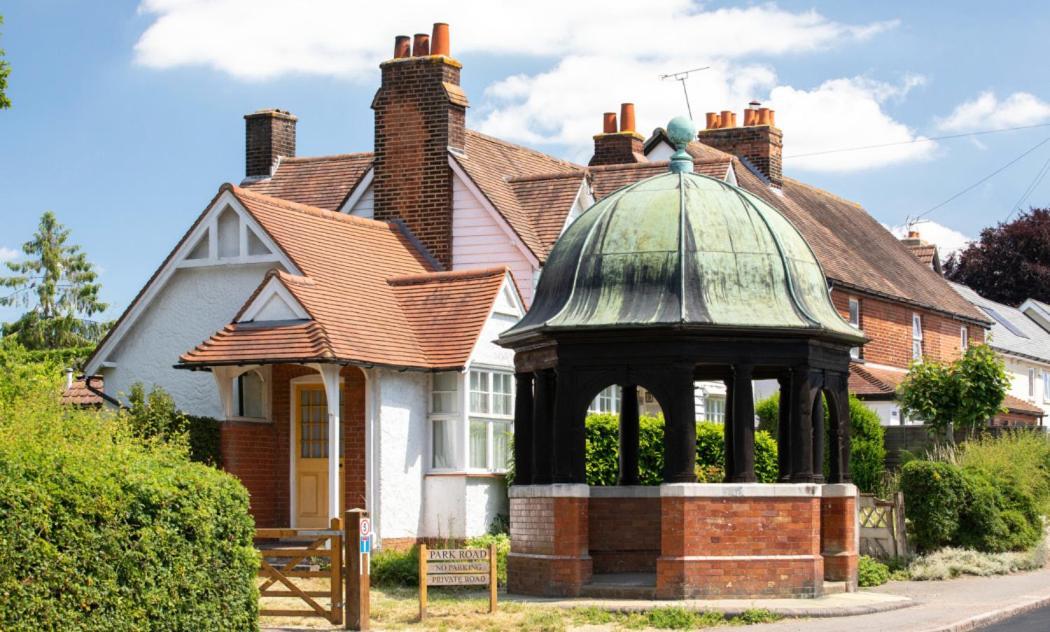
x=127 y=115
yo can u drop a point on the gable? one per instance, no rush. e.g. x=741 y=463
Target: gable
x=506 y=310
x=361 y=201
x=272 y=302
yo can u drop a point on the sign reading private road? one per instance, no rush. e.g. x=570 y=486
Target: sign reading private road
x=456 y=567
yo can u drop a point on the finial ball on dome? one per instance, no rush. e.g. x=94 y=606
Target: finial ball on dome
x=681 y=131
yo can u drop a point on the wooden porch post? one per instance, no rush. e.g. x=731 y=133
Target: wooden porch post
x=330 y=376
x=838 y=400
x=743 y=427
x=818 y=437
x=629 y=433
x=801 y=426
x=680 y=429
x=570 y=434
x=784 y=427
x=542 y=428
x=523 y=413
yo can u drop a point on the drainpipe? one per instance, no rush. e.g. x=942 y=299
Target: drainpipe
x=111 y=400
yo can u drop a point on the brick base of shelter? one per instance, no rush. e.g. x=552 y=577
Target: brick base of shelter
x=731 y=540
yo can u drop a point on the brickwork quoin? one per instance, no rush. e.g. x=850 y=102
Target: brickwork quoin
x=698 y=540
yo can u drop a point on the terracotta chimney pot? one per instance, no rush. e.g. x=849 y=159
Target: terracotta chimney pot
x=763 y=116
x=913 y=234
x=439 y=44
x=421 y=45
x=750 y=117
x=626 y=117
x=712 y=120
x=402 y=46
x=609 y=123
x=728 y=119
x=772 y=119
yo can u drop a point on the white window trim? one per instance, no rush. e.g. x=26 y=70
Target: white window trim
x=964 y=338
x=1031 y=383
x=916 y=336
x=853 y=302
x=359 y=192
x=265 y=373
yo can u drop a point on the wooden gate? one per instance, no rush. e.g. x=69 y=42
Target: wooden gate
x=882 y=533
x=323 y=545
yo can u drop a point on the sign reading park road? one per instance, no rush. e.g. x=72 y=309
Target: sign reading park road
x=456 y=567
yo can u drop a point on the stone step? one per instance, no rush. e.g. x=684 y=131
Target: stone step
x=621 y=586
x=834 y=588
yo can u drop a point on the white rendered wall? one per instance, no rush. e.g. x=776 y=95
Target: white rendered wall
x=194 y=304
x=365 y=205
x=478 y=241
x=401 y=445
x=1017 y=369
x=486 y=497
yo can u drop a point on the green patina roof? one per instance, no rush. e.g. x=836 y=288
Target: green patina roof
x=682 y=249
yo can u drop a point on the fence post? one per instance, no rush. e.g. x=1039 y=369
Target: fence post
x=422 y=581
x=336 y=580
x=357 y=580
x=493 y=577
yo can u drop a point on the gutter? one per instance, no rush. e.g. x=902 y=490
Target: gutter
x=106 y=398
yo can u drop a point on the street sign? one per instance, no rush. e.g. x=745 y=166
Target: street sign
x=456 y=567
x=365 y=527
x=366 y=545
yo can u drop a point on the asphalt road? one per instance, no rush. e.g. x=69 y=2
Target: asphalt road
x=1034 y=621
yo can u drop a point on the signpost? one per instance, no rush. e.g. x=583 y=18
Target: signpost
x=358 y=566
x=456 y=567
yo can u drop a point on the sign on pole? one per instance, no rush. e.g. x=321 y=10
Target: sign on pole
x=358 y=565
x=456 y=567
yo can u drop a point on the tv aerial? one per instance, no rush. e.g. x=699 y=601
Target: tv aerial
x=682 y=76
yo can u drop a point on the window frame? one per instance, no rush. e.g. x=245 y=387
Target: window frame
x=707 y=408
x=964 y=338
x=490 y=392
x=489 y=418
x=916 y=337
x=853 y=309
x=613 y=397
x=1046 y=386
x=1031 y=383
x=236 y=397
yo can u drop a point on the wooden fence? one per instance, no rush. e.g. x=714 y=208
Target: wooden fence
x=882 y=533
x=916 y=439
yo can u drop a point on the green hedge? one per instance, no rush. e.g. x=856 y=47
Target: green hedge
x=867 y=456
x=153 y=415
x=949 y=505
x=101 y=530
x=603 y=451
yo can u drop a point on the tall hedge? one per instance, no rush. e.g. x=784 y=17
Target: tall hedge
x=102 y=530
x=603 y=451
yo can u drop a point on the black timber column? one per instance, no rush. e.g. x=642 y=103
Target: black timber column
x=543 y=428
x=727 y=429
x=570 y=434
x=680 y=429
x=838 y=465
x=801 y=426
x=743 y=426
x=629 y=433
x=784 y=428
x=817 y=421
x=523 y=429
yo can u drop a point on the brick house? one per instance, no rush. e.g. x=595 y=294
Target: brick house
x=379 y=280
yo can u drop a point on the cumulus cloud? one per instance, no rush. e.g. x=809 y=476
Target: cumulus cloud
x=590 y=42
x=987 y=111
x=8 y=254
x=948 y=240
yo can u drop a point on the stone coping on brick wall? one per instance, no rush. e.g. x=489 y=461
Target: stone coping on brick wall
x=687 y=490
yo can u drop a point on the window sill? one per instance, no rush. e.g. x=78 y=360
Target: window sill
x=249 y=420
x=463 y=474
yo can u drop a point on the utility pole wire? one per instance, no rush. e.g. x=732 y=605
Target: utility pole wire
x=682 y=76
x=928 y=139
x=1032 y=186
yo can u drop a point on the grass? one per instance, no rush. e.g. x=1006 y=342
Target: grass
x=398 y=609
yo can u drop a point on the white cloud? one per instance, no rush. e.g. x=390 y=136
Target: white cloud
x=948 y=240
x=8 y=254
x=986 y=111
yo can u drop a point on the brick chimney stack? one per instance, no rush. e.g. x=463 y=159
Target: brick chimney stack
x=420 y=114
x=268 y=135
x=618 y=146
x=759 y=140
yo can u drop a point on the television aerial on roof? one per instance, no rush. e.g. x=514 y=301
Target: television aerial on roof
x=682 y=76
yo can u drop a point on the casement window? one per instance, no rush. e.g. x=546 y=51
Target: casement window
x=964 y=338
x=1046 y=386
x=854 y=319
x=1031 y=383
x=715 y=408
x=250 y=397
x=444 y=393
x=443 y=443
x=490 y=420
x=916 y=337
x=607 y=401
x=444 y=423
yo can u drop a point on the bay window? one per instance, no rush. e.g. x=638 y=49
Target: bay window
x=607 y=401
x=715 y=408
x=490 y=415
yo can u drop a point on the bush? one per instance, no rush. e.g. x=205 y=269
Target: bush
x=934 y=492
x=502 y=542
x=952 y=562
x=392 y=567
x=603 y=451
x=1020 y=457
x=871 y=572
x=101 y=530
x=768 y=412
x=153 y=415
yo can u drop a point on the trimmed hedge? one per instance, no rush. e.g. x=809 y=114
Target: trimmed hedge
x=603 y=451
x=101 y=530
x=949 y=505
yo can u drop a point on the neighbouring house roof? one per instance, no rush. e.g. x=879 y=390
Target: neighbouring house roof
x=1012 y=331
x=324 y=181
x=608 y=178
x=361 y=280
x=78 y=393
x=547 y=201
x=925 y=253
x=868 y=382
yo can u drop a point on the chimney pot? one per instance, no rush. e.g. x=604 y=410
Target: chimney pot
x=913 y=234
x=421 y=45
x=754 y=105
x=728 y=119
x=750 y=117
x=763 y=116
x=712 y=120
x=772 y=119
x=626 y=117
x=69 y=378
x=609 y=123
x=402 y=46
x=439 y=43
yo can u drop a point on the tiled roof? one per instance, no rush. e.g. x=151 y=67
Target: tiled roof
x=351 y=269
x=79 y=395
x=608 y=178
x=1012 y=331
x=547 y=201
x=324 y=181
x=1019 y=406
x=924 y=253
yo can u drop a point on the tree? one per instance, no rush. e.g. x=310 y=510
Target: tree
x=1010 y=262
x=965 y=393
x=5 y=70
x=57 y=286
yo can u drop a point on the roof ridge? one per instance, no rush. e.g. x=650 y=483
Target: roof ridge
x=534 y=152
x=655 y=163
x=327 y=157
x=452 y=275
x=548 y=176
x=306 y=209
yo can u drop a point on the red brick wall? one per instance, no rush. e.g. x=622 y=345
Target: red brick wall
x=889 y=327
x=545 y=527
x=624 y=534
x=838 y=539
x=617 y=149
x=415 y=124
x=269 y=134
x=258 y=453
x=762 y=145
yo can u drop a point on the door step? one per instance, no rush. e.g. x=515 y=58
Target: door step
x=621 y=586
x=834 y=588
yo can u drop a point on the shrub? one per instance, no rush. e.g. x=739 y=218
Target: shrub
x=502 y=542
x=871 y=572
x=952 y=562
x=104 y=531
x=934 y=493
x=768 y=412
x=393 y=567
x=153 y=415
x=603 y=451
x=1021 y=457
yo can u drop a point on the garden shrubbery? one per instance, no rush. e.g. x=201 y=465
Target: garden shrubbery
x=603 y=451
x=103 y=530
x=871 y=572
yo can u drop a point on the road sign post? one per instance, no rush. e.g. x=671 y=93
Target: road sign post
x=358 y=543
x=456 y=567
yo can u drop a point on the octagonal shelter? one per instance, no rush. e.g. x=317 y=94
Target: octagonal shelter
x=672 y=280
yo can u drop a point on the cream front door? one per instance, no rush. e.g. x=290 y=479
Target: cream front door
x=311 y=462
